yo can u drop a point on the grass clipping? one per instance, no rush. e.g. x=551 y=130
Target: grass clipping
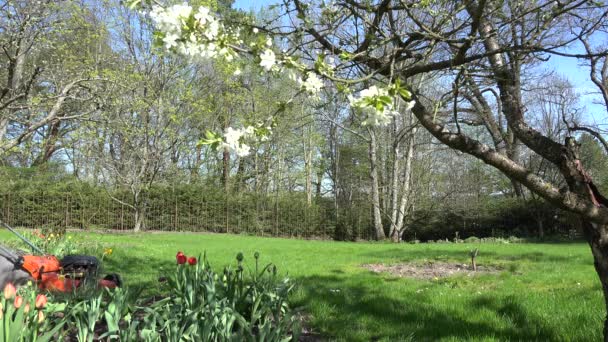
x=430 y=270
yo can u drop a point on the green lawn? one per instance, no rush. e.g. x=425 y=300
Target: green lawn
x=548 y=292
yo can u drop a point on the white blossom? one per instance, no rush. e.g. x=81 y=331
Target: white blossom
x=202 y=16
x=170 y=40
x=201 y=43
x=409 y=105
x=237 y=72
x=268 y=59
x=376 y=117
x=372 y=91
x=365 y=103
x=313 y=83
x=233 y=140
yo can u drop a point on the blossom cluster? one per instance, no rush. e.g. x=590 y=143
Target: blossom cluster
x=312 y=84
x=233 y=140
x=198 y=33
x=377 y=105
x=194 y=34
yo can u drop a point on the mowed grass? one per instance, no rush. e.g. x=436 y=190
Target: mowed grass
x=546 y=292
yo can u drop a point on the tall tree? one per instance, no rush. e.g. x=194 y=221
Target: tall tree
x=396 y=39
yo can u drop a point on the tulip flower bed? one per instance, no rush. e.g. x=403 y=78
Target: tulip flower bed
x=23 y=316
x=200 y=305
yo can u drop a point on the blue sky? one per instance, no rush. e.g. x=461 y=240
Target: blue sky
x=251 y=4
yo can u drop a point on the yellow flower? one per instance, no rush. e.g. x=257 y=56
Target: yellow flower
x=107 y=251
x=69 y=237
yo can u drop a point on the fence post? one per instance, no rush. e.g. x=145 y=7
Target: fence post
x=175 y=214
x=8 y=209
x=226 y=213
x=65 y=221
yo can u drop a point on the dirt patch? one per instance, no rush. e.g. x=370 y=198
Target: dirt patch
x=430 y=270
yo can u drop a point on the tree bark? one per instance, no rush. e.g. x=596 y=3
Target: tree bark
x=407 y=184
x=308 y=168
x=597 y=237
x=373 y=174
x=394 y=191
x=225 y=169
x=50 y=144
x=139 y=219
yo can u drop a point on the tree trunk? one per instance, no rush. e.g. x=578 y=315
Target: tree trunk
x=319 y=183
x=240 y=176
x=373 y=174
x=3 y=128
x=50 y=145
x=541 y=228
x=394 y=191
x=597 y=237
x=308 y=170
x=139 y=219
x=225 y=169
x=517 y=189
x=407 y=185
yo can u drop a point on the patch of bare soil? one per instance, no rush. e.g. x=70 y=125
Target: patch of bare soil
x=430 y=270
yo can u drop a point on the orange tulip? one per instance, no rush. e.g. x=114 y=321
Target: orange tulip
x=9 y=291
x=18 y=302
x=41 y=301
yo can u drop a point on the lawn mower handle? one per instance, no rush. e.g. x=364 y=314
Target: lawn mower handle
x=34 y=248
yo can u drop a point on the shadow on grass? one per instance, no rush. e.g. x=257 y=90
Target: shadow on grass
x=138 y=273
x=363 y=308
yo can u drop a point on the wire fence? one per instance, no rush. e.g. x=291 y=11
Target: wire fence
x=261 y=217
x=277 y=216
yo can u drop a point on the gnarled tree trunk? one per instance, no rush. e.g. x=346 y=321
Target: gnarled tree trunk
x=597 y=237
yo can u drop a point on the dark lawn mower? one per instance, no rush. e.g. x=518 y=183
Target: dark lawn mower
x=47 y=271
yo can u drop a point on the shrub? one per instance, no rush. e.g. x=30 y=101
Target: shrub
x=515 y=239
x=472 y=239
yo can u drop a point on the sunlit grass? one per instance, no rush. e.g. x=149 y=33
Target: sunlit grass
x=545 y=291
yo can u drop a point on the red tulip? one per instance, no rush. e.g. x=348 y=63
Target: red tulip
x=181 y=258
x=192 y=261
x=18 y=302
x=41 y=301
x=9 y=291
